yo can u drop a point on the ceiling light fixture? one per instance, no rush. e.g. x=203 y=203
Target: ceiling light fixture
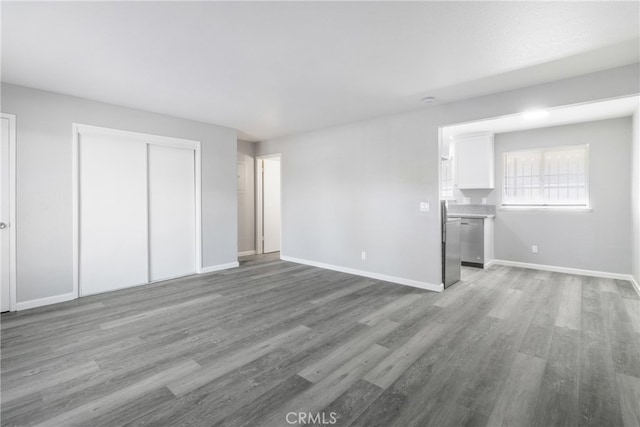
x=428 y=99
x=535 y=114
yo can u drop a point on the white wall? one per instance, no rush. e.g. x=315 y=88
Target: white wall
x=635 y=198
x=44 y=231
x=598 y=240
x=357 y=187
x=246 y=196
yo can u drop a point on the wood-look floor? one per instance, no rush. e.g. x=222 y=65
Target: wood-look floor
x=246 y=347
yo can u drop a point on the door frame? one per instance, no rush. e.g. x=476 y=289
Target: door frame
x=13 y=284
x=77 y=130
x=259 y=210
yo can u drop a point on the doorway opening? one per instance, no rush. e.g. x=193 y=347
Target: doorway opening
x=485 y=184
x=268 y=204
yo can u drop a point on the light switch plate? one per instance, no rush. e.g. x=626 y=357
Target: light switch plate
x=484 y=200
x=424 y=206
x=534 y=249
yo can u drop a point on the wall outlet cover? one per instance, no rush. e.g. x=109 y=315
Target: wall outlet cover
x=466 y=200
x=364 y=255
x=534 y=249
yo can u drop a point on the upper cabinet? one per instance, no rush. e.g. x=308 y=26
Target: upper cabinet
x=474 y=162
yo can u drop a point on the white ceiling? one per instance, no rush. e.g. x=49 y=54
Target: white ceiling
x=270 y=69
x=587 y=112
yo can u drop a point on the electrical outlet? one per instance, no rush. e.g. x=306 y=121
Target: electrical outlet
x=534 y=249
x=484 y=200
x=466 y=200
x=364 y=255
x=424 y=206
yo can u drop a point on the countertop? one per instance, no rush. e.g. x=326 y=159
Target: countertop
x=470 y=215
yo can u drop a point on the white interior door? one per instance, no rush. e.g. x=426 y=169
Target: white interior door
x=113 y=213
x=172 y=217
x=271 y=205
x=5 y=242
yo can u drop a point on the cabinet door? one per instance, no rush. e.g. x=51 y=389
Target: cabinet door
x=474 y=162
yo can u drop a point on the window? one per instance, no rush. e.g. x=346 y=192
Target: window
x=446 y=171
x=557 y=176
x=446 y=179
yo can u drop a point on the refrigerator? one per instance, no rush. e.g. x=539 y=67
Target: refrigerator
x=451 y=247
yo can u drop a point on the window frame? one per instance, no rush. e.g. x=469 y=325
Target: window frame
x=545 y=205
x=448 y=159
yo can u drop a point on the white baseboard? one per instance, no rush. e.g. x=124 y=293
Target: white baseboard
x=246 y=253
x=219 y=267
x=25 y=305
x=377 y=276
x=489 y=264
x=635 y=284
x=567 y=270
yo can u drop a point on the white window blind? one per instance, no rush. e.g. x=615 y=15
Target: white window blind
x=556 y=176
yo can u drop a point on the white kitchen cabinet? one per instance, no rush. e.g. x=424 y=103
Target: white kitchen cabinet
x=474 y=162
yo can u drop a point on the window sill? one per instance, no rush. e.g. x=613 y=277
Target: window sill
x=545 y=209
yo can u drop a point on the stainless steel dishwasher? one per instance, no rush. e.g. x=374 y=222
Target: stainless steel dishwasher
x=472 y=242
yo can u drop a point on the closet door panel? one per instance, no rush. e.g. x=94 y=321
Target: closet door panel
x=113 y=213
x=172 y=223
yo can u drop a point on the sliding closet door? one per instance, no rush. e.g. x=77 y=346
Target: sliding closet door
x=113 y=213
x=172 y=218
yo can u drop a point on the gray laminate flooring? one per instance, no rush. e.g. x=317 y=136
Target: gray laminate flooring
x=271 y=342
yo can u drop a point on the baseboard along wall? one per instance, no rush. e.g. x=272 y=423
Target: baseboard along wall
x=25 y=305
x=40 y=302
x=567 y=270
x=369 y=274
